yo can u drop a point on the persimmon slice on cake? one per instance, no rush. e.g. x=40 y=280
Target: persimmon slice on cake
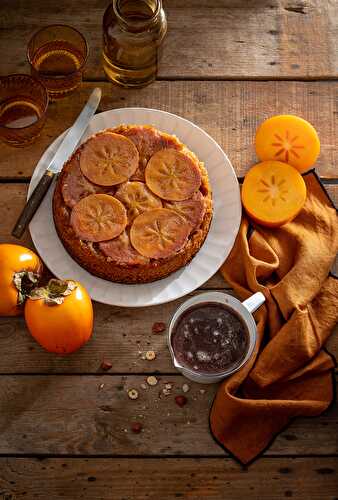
x=109 y=159
x=98 y=217
x=137 y=198
x=159 y=233
x=76 y=186
x=172 y=175
x=192 y=210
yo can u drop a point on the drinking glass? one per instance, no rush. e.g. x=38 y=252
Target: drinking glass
x=23 y=106
x=57 y=55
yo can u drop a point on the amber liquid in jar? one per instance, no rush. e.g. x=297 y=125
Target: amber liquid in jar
x=133 y=32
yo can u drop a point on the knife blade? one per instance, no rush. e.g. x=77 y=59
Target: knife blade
x=65 y=149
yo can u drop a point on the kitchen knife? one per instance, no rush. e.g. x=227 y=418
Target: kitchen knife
x=65 y=149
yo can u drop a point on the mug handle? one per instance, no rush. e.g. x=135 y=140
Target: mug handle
x=254 y=302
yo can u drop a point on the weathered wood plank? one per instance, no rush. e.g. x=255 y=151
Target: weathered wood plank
x=209 y=39
x=228 y=111
x=119 y=334
x=188 y=478
x=77 y=415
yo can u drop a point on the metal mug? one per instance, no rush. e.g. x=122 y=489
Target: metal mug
x=243 y=310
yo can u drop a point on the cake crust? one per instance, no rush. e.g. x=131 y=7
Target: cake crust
x=90 y=256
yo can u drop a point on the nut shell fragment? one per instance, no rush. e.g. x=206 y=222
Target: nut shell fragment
x=152 y=380
x=150 y=355
x=133 y=394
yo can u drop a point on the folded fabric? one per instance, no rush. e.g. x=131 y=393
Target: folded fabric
x=289 y=375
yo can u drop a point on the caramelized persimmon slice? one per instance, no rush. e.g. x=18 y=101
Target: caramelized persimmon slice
x=108 y=159
x=273 y=193
x=148 y=141
x=172 y=175
x=120 y=251
x=159 y=233
x=98 y=217
x=75 y=186
x=137 y=198
x=192 y=210
x=289 y=139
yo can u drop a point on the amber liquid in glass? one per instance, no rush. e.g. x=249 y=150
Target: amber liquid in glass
x=19 y=113
x=56 y=64
x=133 y=31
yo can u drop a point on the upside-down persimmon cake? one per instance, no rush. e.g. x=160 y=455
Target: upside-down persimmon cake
x=132 y=204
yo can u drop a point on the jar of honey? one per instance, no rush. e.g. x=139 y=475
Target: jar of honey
x=133 y=32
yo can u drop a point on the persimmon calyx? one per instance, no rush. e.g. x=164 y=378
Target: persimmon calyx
x=54 y=292
x=24 y=282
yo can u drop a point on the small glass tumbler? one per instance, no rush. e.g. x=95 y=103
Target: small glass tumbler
x=57 y=55
x=23 y=106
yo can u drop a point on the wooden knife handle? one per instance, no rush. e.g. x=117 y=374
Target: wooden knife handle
x=32 y=204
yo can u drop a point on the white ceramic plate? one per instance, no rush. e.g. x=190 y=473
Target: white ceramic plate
x=221 y=237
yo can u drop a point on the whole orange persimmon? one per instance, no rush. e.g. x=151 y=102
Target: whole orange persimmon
x=60 y=316
x=20 y=270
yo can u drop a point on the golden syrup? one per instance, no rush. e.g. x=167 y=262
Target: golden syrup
x=18 y=113
x=133 y=32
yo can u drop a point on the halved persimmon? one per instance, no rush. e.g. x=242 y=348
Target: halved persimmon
x=108 y=159
x=273 y=193
x=98 y=217
x=289 y=139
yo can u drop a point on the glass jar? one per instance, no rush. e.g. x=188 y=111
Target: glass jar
x=133 y=32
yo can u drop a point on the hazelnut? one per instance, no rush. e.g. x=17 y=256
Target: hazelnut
x=106 y=365
x=181 y=401
x=158 y=327
x=136 y=427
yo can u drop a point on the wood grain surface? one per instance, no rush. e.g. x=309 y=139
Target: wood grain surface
x=188 y=478
x=64 y=423
x=237 y=39
x=121 y=336
x=76 y=415
x=228 y=111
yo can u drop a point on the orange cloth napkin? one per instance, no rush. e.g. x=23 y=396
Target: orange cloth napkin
x=289 y=374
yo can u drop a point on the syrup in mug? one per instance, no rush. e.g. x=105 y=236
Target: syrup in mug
x=210 y=338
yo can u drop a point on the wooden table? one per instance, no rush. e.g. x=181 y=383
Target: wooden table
x=65 y=425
